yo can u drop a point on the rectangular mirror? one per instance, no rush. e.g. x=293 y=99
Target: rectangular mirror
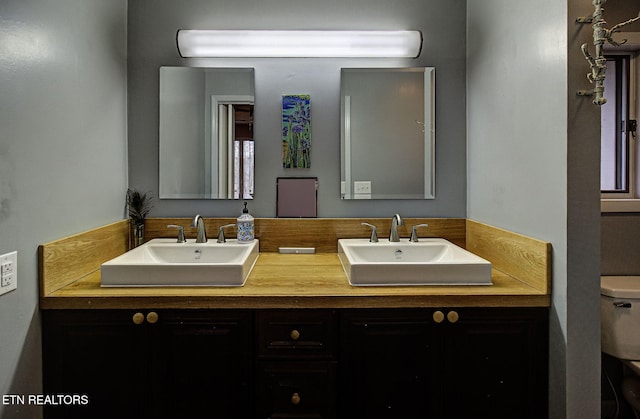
x=206 y=133
x=387 y=133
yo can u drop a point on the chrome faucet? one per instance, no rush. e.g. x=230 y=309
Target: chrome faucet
x=198 y=222
x=396 y=221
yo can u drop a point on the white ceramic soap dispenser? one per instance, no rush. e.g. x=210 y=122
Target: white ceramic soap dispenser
x=246 y=232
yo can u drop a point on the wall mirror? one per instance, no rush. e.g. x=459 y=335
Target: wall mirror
x=206 y=133
x=387 y=133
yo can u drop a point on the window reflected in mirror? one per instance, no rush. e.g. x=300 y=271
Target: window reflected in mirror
x=206 y=133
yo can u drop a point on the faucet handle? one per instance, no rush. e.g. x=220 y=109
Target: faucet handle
x=374 y=232
x=181 y=238
x=414 y=235
x=221 y=238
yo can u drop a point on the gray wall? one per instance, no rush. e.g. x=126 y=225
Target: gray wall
x=62 y=152
x=620 y=244
x=533 y=150
x=152 y=31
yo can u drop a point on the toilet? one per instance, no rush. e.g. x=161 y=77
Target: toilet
x=620 y=328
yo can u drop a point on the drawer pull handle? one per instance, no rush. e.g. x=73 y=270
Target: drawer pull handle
x=294 y=335
x=453 y=316
x=622 y=304
x=152 y=317
x=138 y=318
x=295 y=399
x=438 y=316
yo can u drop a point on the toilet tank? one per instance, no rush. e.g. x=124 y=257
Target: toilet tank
x=620 y=316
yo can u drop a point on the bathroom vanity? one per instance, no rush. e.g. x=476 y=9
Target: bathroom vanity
x=297 y=341
x=324 y=363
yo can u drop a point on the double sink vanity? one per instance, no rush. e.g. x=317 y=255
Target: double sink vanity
x=452 y=325
x=227 y=263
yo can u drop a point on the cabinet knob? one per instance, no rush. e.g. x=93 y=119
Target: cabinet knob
x=138 y=318
x=294 y=335
x=438 y=316
x=453 y=316
x=295 y=399
x=152 y=317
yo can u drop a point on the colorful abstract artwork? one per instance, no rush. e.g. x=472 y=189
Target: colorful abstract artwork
x=296 y=131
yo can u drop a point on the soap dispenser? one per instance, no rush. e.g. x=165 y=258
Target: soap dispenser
x=245 y=226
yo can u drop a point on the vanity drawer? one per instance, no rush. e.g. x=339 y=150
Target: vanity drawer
x=296 y=334
x=297 y=390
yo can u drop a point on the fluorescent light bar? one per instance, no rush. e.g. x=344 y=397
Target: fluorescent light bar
x=298 y=43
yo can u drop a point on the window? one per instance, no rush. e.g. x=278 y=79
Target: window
x=618 y=162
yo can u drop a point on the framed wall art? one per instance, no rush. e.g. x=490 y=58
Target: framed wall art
x=296 y=131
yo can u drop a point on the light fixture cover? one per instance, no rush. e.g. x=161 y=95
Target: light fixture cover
x=298 y=43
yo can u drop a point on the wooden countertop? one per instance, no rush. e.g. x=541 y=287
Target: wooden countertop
x=69 y=269
x=295 y=281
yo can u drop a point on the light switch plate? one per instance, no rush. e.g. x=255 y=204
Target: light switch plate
x=8 y=272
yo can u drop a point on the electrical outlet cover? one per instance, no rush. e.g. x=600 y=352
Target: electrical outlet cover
x=8 y=272
x=362 y=187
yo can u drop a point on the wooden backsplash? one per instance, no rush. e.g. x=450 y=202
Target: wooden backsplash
x=321 y=233
x=66 y=260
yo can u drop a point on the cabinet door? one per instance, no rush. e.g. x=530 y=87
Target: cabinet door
x=389 y=365
x=201 y=364
x=496 y=364
x=97 y=353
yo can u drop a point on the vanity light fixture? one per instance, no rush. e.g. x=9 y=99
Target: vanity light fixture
x=299 y=43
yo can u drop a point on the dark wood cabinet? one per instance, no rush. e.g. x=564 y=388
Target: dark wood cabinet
x=495 y=364
x=202 y=362
x=298 y=363
x=389 y=365
x=148 y=364
x=449 y=364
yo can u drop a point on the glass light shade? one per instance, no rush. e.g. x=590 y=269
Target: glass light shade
x=298 y=43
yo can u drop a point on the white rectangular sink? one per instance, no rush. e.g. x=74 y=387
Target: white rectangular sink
x=427 y=262
x=165 y=263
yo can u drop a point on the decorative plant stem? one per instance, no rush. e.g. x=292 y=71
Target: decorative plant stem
x=138 y=206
